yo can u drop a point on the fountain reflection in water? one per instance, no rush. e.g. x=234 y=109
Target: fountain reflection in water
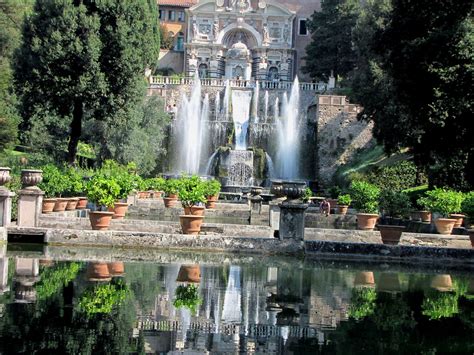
x=190 y=130
x=288 y=128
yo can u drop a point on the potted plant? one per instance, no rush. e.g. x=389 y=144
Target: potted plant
x=212 y=189
x=187 y=296
x=53 y=185
x=334 y=192
x=418 y=213
x=74 y=187
x=365 y=197
x=191 y=194
x=156 y=186
x=343 y=203
x=103 y=192
x=171 y=189
x=467 y=207
x=189 y=273
x=306 y=198
x=394 y=206
x=443 y=202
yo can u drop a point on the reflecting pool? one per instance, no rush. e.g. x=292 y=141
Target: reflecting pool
x=276 y=305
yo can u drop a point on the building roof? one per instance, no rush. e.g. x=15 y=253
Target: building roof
x=178 y=3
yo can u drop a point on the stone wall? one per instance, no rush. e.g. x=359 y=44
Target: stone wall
x=339 y=134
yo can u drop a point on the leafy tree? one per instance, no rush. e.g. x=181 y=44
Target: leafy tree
x=414 y=80
x=331 y=50
x=85 y=59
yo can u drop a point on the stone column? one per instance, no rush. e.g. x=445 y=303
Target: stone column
x=3 y=270
x=292 y=220
x=30 y=198
x=274 y=212
x=5 y=198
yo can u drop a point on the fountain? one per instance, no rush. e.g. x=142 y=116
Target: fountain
x=241 y=99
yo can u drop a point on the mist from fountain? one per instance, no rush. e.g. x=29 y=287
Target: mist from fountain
x=276 y=110
x=255 y=102
x=270 y=165
x=288 y=128
x=226 y=103
x=190 y=132
x=241 y=100
x=266 y=106
x=218 y=106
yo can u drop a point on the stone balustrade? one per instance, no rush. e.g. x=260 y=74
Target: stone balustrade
x=234 y=83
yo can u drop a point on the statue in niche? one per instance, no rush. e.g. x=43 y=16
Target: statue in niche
x=286 y=34
x=195 y=30
x=241 y=5
x=266 y=36
x=215 y=29
x=220 y=3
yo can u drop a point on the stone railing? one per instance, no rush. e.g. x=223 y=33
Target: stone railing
x=234 y=83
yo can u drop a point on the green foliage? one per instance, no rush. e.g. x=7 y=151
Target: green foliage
x=330 y=51
x=102 y=190
x=172 y=186
x=365 y=196
x=410 y=89
x=415 y=193
x=54 y=278
x=74 y=182
x=307 y=194
x=438 y=305
x=55 y=182
x=187 y=296
x=166 y=41
x=102 y=298
x=467 y=206
x=156 y=184
x=334 y=191
x=212 y=187
x=123 y=175
x=344 y=200
x=192 y=191
x=85 y=61
x=442 y=201
x=396 y=177
x=395 y=203
x=362 y=302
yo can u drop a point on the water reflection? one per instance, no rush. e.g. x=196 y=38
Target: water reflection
x=116 y=307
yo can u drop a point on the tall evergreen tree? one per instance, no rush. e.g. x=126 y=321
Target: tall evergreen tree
x=331 y=50
x=85 y=59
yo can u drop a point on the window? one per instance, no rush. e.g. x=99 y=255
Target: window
x=179 y=42
x=172 y=15
x=181 y=16
x=273 y=74
x=303 y=29
x=162 y=14
x=202 y=71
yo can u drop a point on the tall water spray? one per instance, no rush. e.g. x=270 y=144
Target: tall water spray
x=288 y=127
x=217 y=106
x=266 y=105
x=226 y=104
x=240 y=115
x=255 y=102
x=190 y=130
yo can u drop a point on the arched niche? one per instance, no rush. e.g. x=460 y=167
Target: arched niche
x=243 y=32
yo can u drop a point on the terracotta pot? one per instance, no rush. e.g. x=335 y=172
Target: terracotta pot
x=4 y=175
x=366 y=221
x=82 y=203
x=445 y=225
x=46 y=262
x=471 y=236
x=116 y=268
x=97 y=271
x=211 y=201
x=100 y=220
x=389 y=282
x=442 y=283
x=425 y=216
x=365 y=279
x=170 y=202
x=60 y=205
x=195 y=210
x=156 y=194
x=119 y=210
x=48 y=205
x=390 y=234
x=191 y=224
x=459 y=219
x=175 y=196
x=72 y=203
x=342 y=209
x=189 y=273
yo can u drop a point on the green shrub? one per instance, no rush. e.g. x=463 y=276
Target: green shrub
x=192 y=191
x=394 y=203
x=55 y=182
x=438 y=305
x=414 y=194
x=467 y=206
x=334 y=191
x=344 y=200
x=307 y=194
x=171 y=186
x=362 y=303
x=212 y=187
x=156 y=184
x=396 y=177
x=187 y=296
x=124 y=176
x=103 y=191
x=74 y=182
x=55 y=278
x=442 y=201
x=365 y=196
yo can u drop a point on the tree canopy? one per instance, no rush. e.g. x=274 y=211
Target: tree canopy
x=84 y=60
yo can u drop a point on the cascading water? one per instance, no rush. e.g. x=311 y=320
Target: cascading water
x=266 y=106
x=225 y=105
x=276 y=111
x=240 y=115
x=271 y=167
x=218 y=106
x=255 y=102
x=288 y=128
x=190 y=132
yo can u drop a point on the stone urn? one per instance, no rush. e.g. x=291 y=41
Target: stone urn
x=4 y=176
x=256 y=191
x=277 y=188
x=189 y=273
x=293 y=190
x=30 y=178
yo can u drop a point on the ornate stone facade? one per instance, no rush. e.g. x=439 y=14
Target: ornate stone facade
x=240 y=39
